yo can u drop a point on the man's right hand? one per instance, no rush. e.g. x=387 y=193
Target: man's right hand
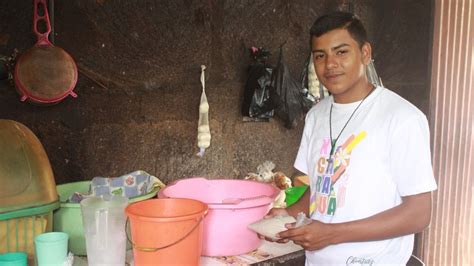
x=302 y=205
x=274 y=212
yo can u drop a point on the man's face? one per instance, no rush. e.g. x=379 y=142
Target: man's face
x=340 y=64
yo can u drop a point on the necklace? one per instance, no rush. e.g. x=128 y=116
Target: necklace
x=334 y=141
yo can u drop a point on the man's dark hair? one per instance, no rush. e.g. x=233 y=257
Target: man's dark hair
x=340 y=20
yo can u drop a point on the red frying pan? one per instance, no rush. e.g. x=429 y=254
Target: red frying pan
x=45 y=74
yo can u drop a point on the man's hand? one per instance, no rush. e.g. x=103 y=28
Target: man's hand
x=412 y=216
x=301 y=206
x=270 y=214
x=313 y=236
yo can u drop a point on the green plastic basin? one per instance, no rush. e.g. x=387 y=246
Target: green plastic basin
x=68 y=217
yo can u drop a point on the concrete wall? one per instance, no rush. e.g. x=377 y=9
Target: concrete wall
x=147 y=55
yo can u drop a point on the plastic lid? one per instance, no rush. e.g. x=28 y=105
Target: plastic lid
x=25 y=172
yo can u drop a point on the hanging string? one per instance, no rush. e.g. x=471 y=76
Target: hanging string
x=334 y=141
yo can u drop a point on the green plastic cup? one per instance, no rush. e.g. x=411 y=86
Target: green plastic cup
x=13 y=259
x=51 y=248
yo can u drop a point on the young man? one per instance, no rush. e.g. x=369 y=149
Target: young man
x=367 y=153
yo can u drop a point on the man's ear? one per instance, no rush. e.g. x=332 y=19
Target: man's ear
x=366 y=53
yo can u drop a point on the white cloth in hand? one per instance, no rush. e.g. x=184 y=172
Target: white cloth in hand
x=270 y=227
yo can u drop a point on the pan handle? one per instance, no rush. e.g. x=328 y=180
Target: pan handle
x=42 y=37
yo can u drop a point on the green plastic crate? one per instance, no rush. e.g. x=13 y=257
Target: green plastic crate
x=27 y=191
x=20 y=227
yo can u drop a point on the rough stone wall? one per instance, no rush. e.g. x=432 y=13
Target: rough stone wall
x=139 y=86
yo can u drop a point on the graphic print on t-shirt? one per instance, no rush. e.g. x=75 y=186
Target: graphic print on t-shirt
x=331 y=177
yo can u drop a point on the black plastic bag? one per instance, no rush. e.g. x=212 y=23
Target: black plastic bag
x=257 y=102
x=288 y=95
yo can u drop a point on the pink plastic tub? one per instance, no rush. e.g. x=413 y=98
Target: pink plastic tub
x=233 y=205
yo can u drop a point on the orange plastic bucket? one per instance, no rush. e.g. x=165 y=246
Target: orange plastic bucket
x=166 y=231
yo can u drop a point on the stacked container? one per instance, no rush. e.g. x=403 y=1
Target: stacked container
x=27 y=189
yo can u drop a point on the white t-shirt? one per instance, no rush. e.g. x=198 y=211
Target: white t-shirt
x=381 y=155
